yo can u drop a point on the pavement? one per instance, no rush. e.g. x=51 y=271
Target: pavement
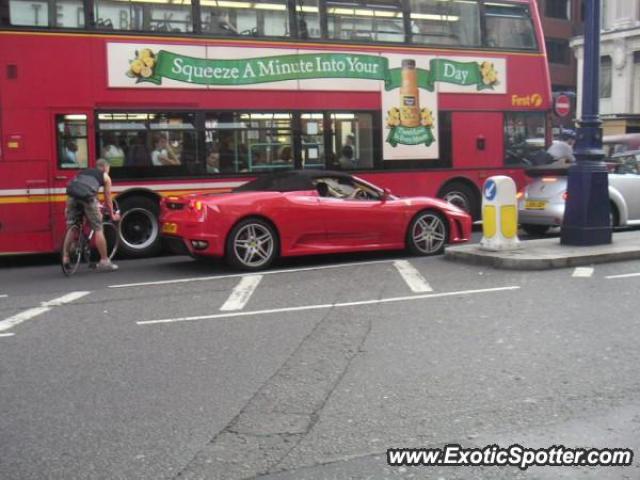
x=548 y=253
x=174 y=369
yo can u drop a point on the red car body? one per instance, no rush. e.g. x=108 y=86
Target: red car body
x=306 y=222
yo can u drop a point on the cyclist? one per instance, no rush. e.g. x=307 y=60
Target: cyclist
x=82 y=199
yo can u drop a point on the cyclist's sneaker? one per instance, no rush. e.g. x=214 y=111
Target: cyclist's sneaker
x=106 y=267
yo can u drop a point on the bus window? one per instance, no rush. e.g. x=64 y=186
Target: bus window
x=509 y=26
x=248 y=142
x=523 y=136
x=265 y=18
x=156 y=15
x=379 y=21
x=149 y=144
x=51 y=13
x=352 y=141
x=72 y=140
x=445 y=22
x=308 y=19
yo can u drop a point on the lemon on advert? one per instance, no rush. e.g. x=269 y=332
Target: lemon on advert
x=136 y=66
x=146 y=72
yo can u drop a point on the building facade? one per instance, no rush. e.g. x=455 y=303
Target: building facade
x=619 y=66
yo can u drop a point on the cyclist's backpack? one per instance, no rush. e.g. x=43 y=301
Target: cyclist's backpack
x=83 y=187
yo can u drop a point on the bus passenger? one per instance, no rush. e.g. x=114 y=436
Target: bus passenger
x=111 y=152
x=213 y=159
x=346 y=160
x=163 y=153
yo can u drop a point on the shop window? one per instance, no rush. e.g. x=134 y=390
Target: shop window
x=605 y=77
x=72 y=146
x=557 y=9
x=264 y=18
x=558 y=51
x=524 y=136
x=448 y=22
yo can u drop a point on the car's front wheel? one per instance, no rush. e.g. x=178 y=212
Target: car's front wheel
x=428 y=233
x=252 y=245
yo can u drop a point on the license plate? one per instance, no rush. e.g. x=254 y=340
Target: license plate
x=535 y=204
x=169 y=228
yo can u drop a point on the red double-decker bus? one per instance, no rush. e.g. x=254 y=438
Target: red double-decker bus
x=424 y=97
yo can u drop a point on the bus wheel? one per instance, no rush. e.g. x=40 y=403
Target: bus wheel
x=139 y=227
x=462 y=196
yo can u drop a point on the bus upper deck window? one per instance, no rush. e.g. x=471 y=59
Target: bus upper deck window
x=167 y=16
x=509 y=26
x=445 y=22
x=53 y=13
x=71 y=134
x=263 y=18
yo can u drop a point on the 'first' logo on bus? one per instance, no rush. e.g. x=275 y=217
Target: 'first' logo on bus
x=533 y=100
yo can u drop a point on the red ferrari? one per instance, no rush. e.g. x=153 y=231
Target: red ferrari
x=305 y=213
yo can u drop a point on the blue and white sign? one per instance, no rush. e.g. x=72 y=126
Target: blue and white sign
x=490 y=190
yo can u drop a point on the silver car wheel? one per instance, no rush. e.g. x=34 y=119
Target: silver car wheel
x=429 y=233
x=253 y=245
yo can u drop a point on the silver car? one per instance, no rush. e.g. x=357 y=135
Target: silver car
x=541 y=205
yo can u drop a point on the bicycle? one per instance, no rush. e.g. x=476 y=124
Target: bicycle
x=81 y=247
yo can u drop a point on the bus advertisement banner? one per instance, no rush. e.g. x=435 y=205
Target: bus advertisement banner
x=409 y=83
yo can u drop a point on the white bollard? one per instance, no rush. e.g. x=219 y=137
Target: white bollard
x=499 y=214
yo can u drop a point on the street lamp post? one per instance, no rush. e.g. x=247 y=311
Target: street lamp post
x=587 y=211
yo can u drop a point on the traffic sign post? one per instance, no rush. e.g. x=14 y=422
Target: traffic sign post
x=562 y=105
x=499 y=214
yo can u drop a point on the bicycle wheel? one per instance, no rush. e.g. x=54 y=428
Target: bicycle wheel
x=112 y=238
x=75 y=246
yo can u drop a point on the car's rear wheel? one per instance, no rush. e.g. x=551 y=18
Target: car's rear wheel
x=535 y=229
x=252 y=245
x=428 y=233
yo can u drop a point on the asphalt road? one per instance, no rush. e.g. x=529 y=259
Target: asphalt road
x=174 y=369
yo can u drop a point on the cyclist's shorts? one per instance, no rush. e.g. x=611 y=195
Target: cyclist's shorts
x=90 y=208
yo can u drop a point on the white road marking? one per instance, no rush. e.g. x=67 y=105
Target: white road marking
x=4 y=296
x=30 y=313
x=236 y=275
x=6 y=335
x=626 y=275
x=18 y=318
x=327 y=305
x=414 y=279
x=583 y=272
x=242 y=293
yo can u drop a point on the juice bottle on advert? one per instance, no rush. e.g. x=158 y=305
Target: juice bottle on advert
x=409 y=95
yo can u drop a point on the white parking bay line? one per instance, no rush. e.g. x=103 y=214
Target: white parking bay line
x=626 y=275
x=30 y=313
x=242 y=293
x=327 y=305
x=237 y=275
x=414 y=279
x=583 y=272
x=4 y=296
x=6 y=335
